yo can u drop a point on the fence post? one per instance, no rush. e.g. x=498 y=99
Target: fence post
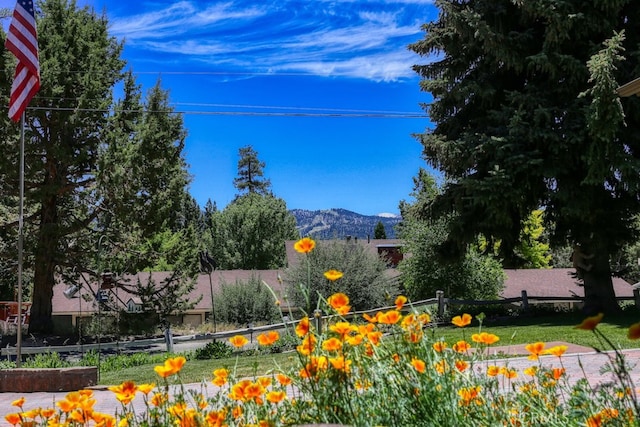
x=636 y=297
x=317 y=316
x=440 y=298
x=525 y=300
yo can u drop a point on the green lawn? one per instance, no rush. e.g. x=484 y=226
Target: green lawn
x=516 y=330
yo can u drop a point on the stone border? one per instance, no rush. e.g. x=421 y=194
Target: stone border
x=27 y=380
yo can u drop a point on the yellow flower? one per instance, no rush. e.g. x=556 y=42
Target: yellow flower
x=343 y=329
x=238 y=341
x=418 y=365
x=333 y=275
x=400 y=302
x=462 y=321
x=305 y=245
x=159 y=399
x=531 y=371
x=18 y=402
x=307 y=345
x=536 y=350
x=125 y=392
x=441 y=366
x=634 y=331
x=146 y=388
x=590 y=323
x=371 y=319
x=557 y=350
x=469 y=395
x=268 y=338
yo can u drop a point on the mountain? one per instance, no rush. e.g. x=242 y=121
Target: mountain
x=340 y=223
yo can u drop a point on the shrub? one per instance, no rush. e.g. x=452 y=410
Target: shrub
x=364 y=280
x=247 y=302
x=213 y=350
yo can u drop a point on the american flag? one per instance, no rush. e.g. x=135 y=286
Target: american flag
x=22 y=41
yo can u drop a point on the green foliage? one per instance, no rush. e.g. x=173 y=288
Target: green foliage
x=46 y=360
x=379 y=232
x=213 y=350
x=475 y=276
x=364 y=279
x=526 y=116
x=250 y=173
x=247 y=302
x=250 y=233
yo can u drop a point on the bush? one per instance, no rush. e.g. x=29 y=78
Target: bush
x=245 y=302
x=364 y=280
x=213 y=350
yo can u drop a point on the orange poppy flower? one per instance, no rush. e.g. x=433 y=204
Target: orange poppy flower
x=333 y=275
x=439 y=346
x=238 y=341
x=400 y=302
x=146 y=388
x=371 y=319
x=341 y=364
x=461 y=346
x=338 y=300
x=302 y=328
x=461 y=365
x=493 y=370
x=124 y=392
x=13 y=419
x=268 y=338
x=557 y=373
x=485 y=338
x=332 y=344
x=18 y=402
x=343 y=328
x=634 y=331
x=536 y=350
x=418 y=365
x=590 y=323
x=305 y=245
x=307 y=346
x=441 y=366
x=276 y=396
x=462 y=321
x=283 y=379
x=390 y=317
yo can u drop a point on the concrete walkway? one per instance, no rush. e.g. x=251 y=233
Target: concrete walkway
x=579 y=362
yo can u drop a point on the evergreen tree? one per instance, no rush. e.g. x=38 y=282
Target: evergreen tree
x=100 y=176
x=250 y=173
x=526 y=116
x=252 y=231
x=379 y=232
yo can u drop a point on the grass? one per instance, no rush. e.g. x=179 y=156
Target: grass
x=512 y=331
x=202 y=370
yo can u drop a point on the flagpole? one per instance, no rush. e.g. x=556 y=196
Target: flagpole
x=20 y=243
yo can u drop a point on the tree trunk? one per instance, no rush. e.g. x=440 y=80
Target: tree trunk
x=44 y=267
x=599 y=294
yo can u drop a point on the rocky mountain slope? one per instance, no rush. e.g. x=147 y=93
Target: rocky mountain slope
x=340 y=223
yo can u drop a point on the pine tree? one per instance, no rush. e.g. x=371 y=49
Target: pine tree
x=379 y=232
x=526 y=117
x=250 y=173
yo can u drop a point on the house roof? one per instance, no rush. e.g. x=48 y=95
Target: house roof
x=371 y=245
x=62 y=305
x=552 y=282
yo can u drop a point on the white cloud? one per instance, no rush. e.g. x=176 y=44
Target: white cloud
x=321 y=37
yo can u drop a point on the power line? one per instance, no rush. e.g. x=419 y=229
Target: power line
x=240 y=113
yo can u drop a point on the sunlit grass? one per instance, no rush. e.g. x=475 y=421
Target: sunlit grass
x=201 y=370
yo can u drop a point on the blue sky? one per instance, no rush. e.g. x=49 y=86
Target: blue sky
x=322 y=90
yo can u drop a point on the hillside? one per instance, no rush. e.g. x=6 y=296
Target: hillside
x=340 y=223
